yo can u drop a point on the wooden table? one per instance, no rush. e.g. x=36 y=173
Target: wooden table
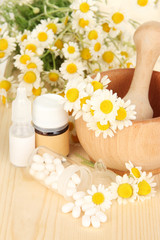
x=29 y=211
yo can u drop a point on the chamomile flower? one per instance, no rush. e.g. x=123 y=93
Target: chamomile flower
x=86 y=54
x=32 y=45
x=22 y=59
x=131 y=62
x=52 y=24
x=98 y=199
x=57 y=47
x=119 y=19
x=5 y=86
x=34 y=63
x=73 y=93
x=104 y=104
x=135 y=172
x=72 y=69
x=79 y=23
x=94 y=33
x=146 y=186
x=43 y=36
x=39 y=91
x=145 y=3
x=7 y=45
x=29 y=78
x=105 y=129
x=126 y=52
x=54 y=78
x=23 y=36
x=97 y=49
x=125 y=114
x=97 y=82
x=71 y=50
x=3 y=28
x=124 y=189
x=110 y=56
x=84 y=7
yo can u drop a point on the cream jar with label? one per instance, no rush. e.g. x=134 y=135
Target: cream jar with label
x=51 y=123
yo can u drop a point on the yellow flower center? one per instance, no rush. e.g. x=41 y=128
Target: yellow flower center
x=4 y=100
x=5 y=85
x=125 y=190
x=59 y=44
x=0 y=29
x=144 y=188
x=98 y=198
x=42 y=36
x=97 y=47
x=83 y=23
x=97 y=85
x=2 y=54
x=71 y=49
x=106 y=106
x=142 y=3
x=122 y=114
x=53 y=77
x=31 y=47
x=53 y=27
x=71 y=68
x=85 y=54
x=84 y=7
x=92 y=112
x=72 y=94
x=96 y=70
x=36 y=91
x=135 y=172
x=104 y=126
x=30 y=77
x=129 y=64
x=106 y=27
x=83 y=100
x=3 y=44
x=24 y=58
x=108 y=56
x=92 y=35
x=124 y=53
x=31 y=65
x=117 y=17
x=71 y=126
x=23 y=37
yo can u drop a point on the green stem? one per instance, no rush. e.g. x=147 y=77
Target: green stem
x=112 y=40
x=54 y=62
x=45 y=54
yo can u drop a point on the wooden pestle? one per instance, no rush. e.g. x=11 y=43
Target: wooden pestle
x=147 y=42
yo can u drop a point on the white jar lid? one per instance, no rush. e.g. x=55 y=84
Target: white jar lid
x=48 y=112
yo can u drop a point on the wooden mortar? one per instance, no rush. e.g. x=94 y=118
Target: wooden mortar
x=139 y=143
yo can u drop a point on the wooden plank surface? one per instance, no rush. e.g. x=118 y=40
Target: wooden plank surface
x=29 y=211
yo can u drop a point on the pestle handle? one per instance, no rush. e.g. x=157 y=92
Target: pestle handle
x=147 y=42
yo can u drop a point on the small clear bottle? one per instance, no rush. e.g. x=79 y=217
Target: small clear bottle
x=58 y=173
x=21 y=132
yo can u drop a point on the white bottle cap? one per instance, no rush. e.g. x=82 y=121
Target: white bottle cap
x=48 y=112
x=21 y=107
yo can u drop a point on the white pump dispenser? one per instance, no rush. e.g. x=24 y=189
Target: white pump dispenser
x=21 y=133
